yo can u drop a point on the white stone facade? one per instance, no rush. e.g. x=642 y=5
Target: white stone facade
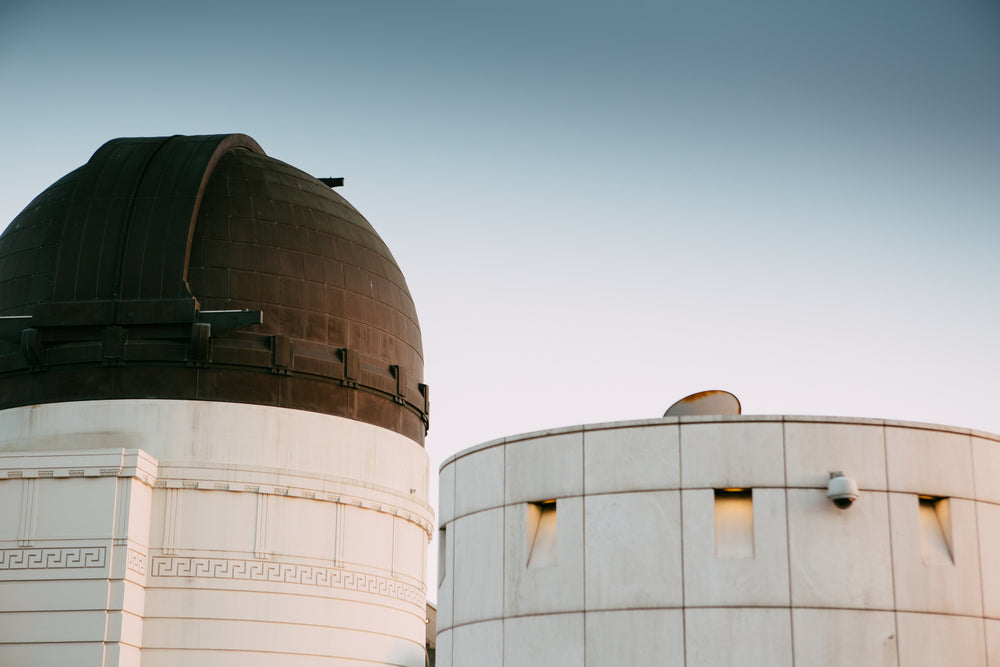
x=154 y=532
x=698 y=541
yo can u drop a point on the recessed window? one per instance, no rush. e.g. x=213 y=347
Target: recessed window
x=734 y=523
x=442 y=554
x=541 y=533
x=935 y=530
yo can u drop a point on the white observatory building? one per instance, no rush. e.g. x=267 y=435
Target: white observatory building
x=708 y=538
x=212 y=417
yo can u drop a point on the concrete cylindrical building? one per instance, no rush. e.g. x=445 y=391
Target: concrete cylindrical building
x=212 y=417
x=711 y=540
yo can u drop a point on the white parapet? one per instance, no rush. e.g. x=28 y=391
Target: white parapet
x=692 y=541
x=152 y=532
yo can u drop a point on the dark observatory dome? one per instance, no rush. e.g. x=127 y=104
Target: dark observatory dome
x=199 y=268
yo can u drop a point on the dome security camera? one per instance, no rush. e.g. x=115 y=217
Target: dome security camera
x=842 y=490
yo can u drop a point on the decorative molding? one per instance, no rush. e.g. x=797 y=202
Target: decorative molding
x=123 y=498
x=47 y=465
x=29 y=513
x=338 y=535
x=55 y=558
x=362 y=503
x=171 y=521
x=136 y=561
x=288 y=573
x=236 y=486
x=262 y=526
x=395 y=545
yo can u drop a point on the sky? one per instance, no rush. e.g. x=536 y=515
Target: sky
x=599 y=208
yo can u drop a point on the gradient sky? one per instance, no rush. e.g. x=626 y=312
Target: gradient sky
x=600 y=208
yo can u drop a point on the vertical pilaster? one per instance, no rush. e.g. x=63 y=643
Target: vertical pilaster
x=338 y=537
x=29 y=512
x=171 y=521
x=261 y=547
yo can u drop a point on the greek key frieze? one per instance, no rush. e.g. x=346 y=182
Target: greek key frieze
x=288 y=573
x=54 y=558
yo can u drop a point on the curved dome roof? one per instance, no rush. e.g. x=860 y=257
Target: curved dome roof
x=200 y=268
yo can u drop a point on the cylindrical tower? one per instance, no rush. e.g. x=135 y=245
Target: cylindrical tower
x=212 y=415
x=713 y=540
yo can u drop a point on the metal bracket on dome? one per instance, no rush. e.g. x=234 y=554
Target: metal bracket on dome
x=352 y=366
x=332 y=182
x=400 y=374
x=200 y=346
x=31 y=346
x=425 y=391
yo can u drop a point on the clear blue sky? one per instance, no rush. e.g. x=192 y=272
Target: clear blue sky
x=600 y=208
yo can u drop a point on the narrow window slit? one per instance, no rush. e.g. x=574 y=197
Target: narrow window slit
x=442 y=554
x=734 y=523
x=541 y=533
x=935 y=530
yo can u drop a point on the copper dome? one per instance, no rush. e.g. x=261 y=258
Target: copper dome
x=200 y=268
